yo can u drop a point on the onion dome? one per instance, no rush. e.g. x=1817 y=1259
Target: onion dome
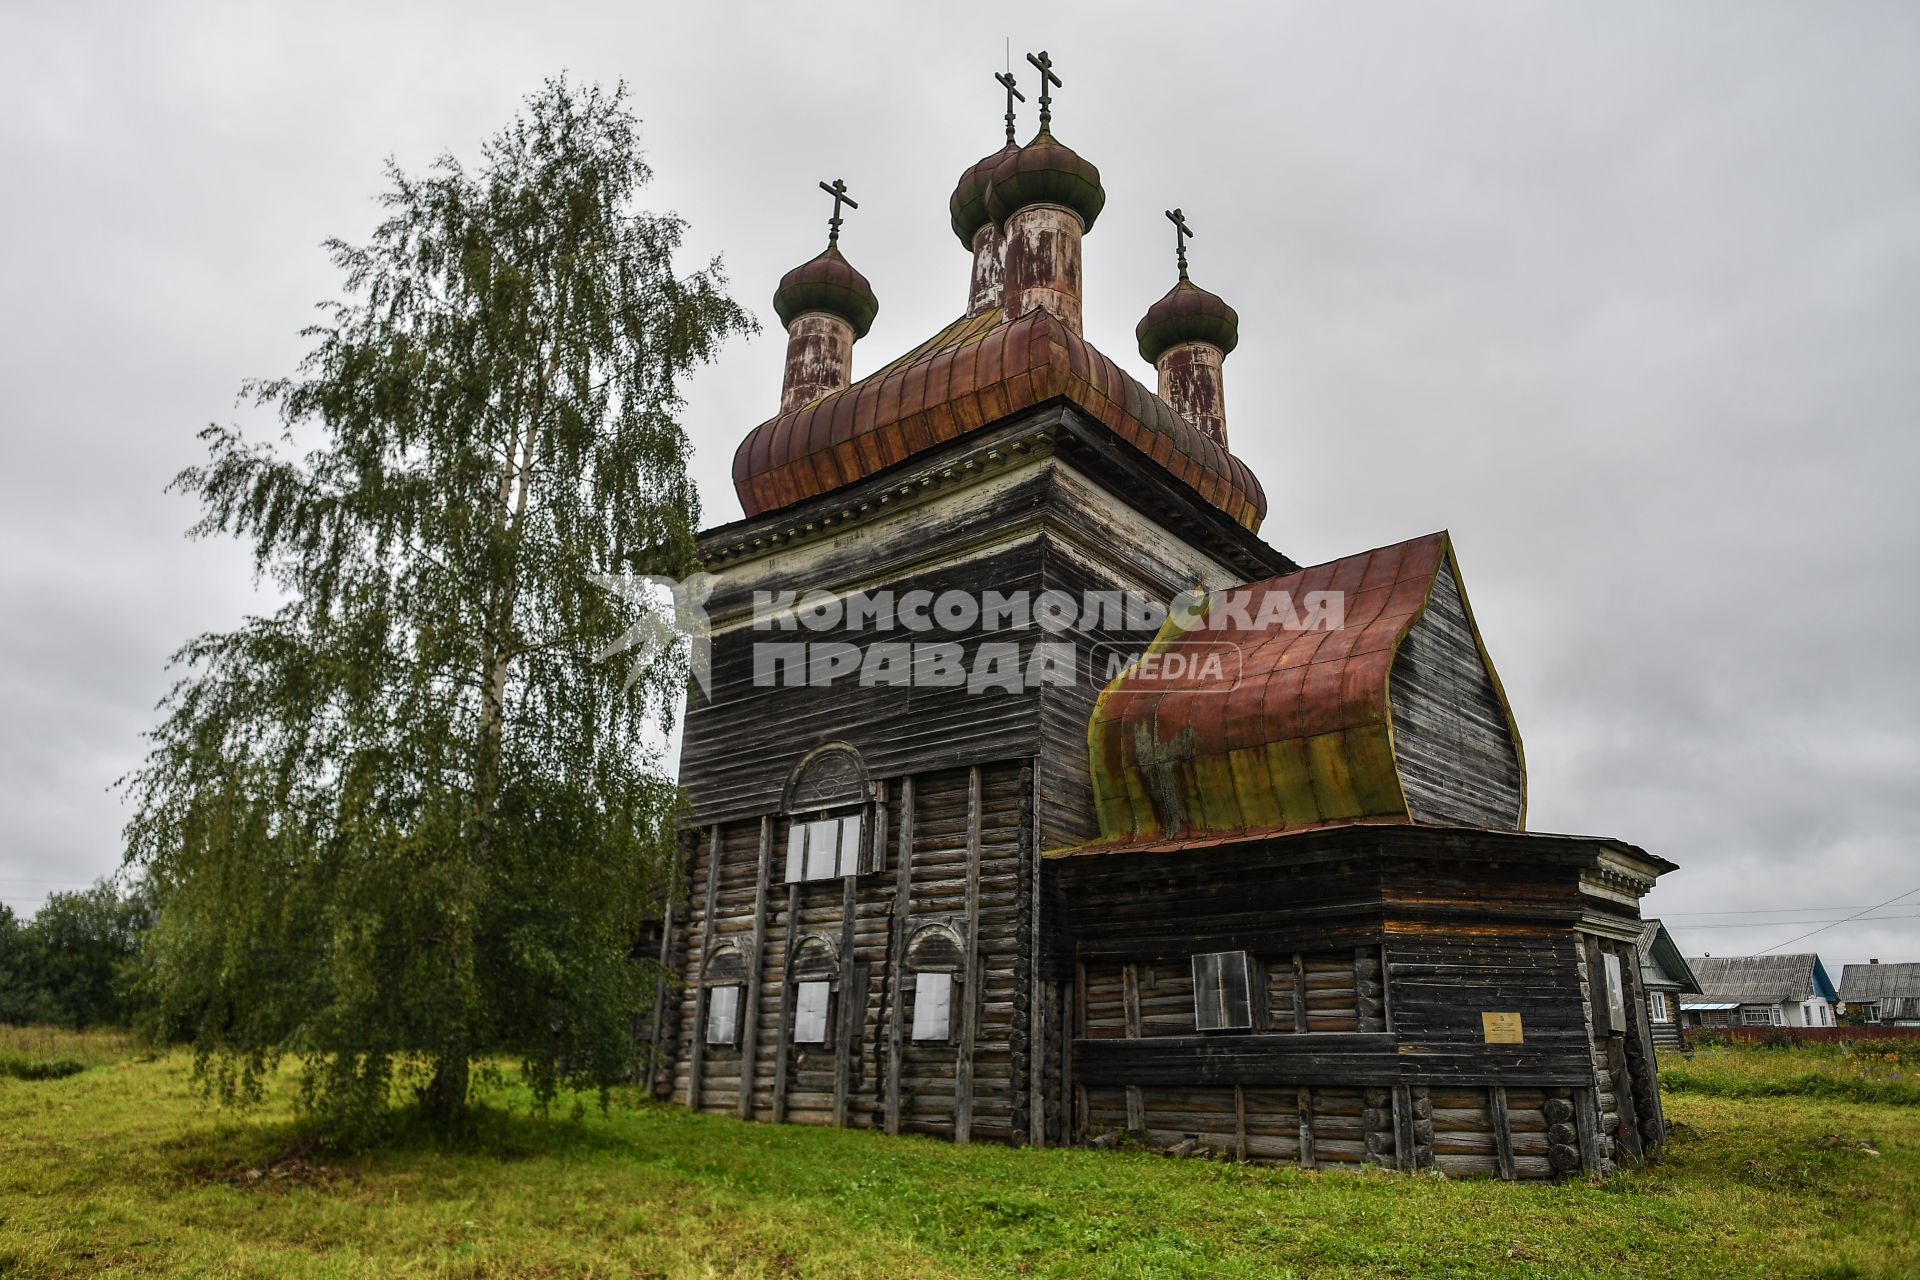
x=1045 y=171
x=969 y=203
x=1187 y=314
x=827 y=283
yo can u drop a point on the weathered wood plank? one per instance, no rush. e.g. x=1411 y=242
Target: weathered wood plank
x=783 y=1047
x=970 y=990
x=756 y=965
x=849 y=1015
x=902 y=906
x=697 y=1054
x=1502 y=1130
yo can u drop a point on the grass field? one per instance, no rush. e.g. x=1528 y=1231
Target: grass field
x=119 y=1170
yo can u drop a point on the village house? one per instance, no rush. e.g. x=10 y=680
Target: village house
x=1037 y=799
x=1884 y=994
x=1760 y=991
x=1666 y=977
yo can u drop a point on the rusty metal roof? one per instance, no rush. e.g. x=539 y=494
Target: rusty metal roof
x=971 y=374
x=1291 y=731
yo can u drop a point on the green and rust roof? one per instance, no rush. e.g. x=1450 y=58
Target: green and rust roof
x=1187 y=313
x=1296 y=734
x=968 y=205
x=827 y=282
x=1045 y=171
x=970 y=375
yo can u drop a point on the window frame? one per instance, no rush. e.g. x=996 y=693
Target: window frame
x=736 y=995
x=1616 y=986
x=944 y=978
x=803 y=990
x=1657 y=1007
x=847 y=861
x=1221 y=1017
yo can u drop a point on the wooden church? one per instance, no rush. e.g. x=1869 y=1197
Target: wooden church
x=1027 y=807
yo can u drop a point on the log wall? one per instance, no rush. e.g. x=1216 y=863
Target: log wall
x=1459 y=762
x=958 y=863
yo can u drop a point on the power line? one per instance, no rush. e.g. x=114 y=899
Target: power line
x=1769 y=924
x=1823 y=928
x=1755 y=911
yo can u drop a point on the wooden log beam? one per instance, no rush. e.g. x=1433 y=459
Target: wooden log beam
x=902 y=908
x=1036 y=1011
x=756 y=965
x=1502 y=1130
x=1403 y=1153
x=973 y=995
x=1586 y=1116
x=850 y=1017
x=662 y=982
x=697 y=1058
x=783 y=1046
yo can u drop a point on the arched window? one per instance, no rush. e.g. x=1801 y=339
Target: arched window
x=812 y=975
x=827 y=802
x=724 y=979
x=935 y=964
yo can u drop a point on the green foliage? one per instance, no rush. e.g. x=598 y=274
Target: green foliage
x=407 y=819
x=1882 y=1071
x=18 y=1067
x=74 y=963
x=116 y=1170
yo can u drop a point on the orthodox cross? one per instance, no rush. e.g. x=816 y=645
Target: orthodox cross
x=1044 y=65
x=1006 y=79
x=838 y=190
x=1181 y=231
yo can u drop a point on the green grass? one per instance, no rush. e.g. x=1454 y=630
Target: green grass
x=120 y=1171
x=1887 y=1073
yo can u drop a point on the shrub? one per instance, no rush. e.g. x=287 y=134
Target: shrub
x=20 y=1068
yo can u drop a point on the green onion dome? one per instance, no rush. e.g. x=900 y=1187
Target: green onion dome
x=969 y=203
x=827 y=283
x=1045 y=171
x=1187 y=314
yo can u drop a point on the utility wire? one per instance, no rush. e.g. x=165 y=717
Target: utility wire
x=1823 y=928
x=1774 y=924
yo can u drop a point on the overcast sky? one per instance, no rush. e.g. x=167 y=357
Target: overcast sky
x=1626 y=296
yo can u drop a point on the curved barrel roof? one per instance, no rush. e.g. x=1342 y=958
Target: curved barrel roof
x=971 y=374
x=1292 y=729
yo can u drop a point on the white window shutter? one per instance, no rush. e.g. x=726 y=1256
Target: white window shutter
x=933 y=1006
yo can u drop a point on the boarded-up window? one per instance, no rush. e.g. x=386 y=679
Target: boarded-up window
x=1616 y=993
x=933 y=1006
x=723 y=1015
x=810 y=1012
x=824 y=849
x=1221 y=991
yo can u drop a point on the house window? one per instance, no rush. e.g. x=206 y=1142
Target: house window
x=1222 y=999
x=810 y=1012
x=1616 y=992
x=824 y=849
x=1826 y=1015
x=1657 y=1006
x=933 y=1006
x=723 y=1015
x=1756 y=1015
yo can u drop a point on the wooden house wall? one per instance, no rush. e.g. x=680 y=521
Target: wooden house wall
x=959 y=854
x=1458 y=762
x=1373 y=971
x=741 y=745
